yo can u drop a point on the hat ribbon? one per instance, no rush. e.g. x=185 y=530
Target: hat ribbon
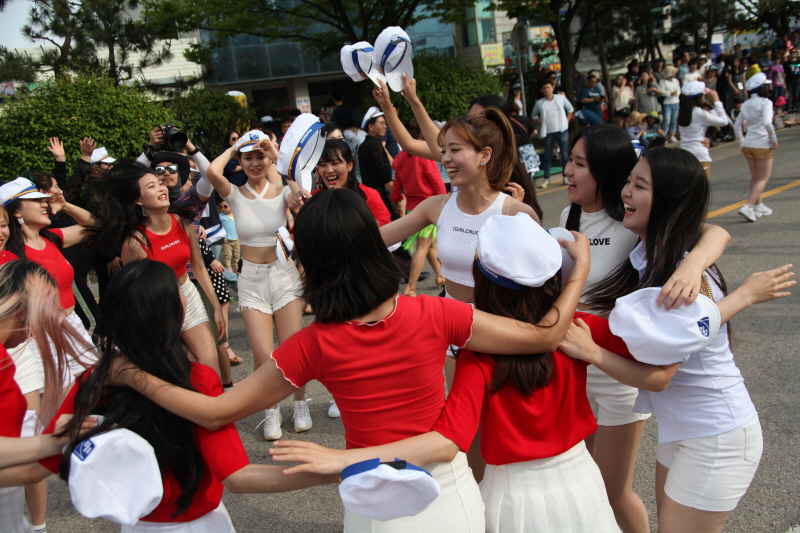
x=311 y=132
x=356 y=62
x=372 y=464
x=497 y=278
x=32 y=188
x=390 y=49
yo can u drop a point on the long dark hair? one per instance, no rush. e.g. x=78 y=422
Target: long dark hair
x=348 y=270
x=338 y=150
x=142 y=297
x=611 y=157
x=686 y=109
x=681 y=196
x=16 y=238
x=118 y=215
x=528 y=304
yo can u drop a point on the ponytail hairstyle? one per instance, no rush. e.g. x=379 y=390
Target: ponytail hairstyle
x=681 y=196
x=686 y=109
x=28 y=291
x=526 y=373
x=490 y=129
x=142 y=297
x=611 y=157
x=338 y=150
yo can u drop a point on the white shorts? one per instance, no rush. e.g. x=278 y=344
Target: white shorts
x=217 y=521
x=611 y=401
x=26 y=374
x=86 y=358
x=458 y=509
x=563 y=494
x=268 y=288
x=712 y=473
x=195 y=310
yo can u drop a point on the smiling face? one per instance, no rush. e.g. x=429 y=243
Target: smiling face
x=582 y=185
x=462 y=161
x=254 y=164
x=637 y=195
x=34 y=212
x=153 y=194
x=169 y=178
x=334 y=172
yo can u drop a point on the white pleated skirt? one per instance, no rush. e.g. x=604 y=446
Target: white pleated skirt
x=562 y=494
x=217 y=521
x=458 y=509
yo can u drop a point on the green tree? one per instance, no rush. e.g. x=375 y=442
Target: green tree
x=117 y=117
x=207 y=115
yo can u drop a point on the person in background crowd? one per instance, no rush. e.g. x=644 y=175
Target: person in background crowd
x=791 y=68
x=552 y=113
x=671 y=89
x=591 y=99
x=622 y=98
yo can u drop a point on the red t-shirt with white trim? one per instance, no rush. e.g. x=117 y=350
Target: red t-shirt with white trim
x=11 y=398
x=222 y=450
x=516 y=427
x=51 y=259
x=386 y=376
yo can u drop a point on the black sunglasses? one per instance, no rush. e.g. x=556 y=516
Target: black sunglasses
x=172 y=169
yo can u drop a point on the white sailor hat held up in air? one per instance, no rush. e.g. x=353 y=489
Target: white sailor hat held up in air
x=249 y=141
x=357 y=62
x=656 y=336
x=19 y=188
x=100 y=155
x=372 y=112
x=284 y=247
x=392 y=56
x=693 y=88
x=516 y=252
x=385 y=491
x=301 y=149
x=115 y=476
x=755 y=82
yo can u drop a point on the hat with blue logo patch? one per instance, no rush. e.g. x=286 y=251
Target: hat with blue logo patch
x=656 y=336
x=249 y=141
x=301 y=149
x=385 y=491
x=357 y=62
x=392 y=56
x=115 y=475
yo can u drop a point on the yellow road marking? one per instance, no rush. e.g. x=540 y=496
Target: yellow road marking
x=731 y=207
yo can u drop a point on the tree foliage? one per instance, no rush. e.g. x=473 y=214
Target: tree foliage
x=117 y=117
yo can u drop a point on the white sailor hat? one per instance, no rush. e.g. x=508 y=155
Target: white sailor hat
x=301 y=149
x=516 y=252
x=372 y=112
x=392 y=56
x=755 y=82
x=656 y=336
x=249 y=141
x=284 y=247
x=100 y=155
x=567 y=263
x=357 y=62
x=115 y=476
x=19 y=188
x=693 y=88
x=385 y=491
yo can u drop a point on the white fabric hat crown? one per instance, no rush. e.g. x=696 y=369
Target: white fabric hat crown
x=19 y=188
x=100 y=155
x=755 y=82
x=249 y=141
x=357 y=62
x=301 y=149
x=115 y=476
x=693 y=88
x=656 y=336
x=516 y=252
x=392 y=56
x=387 y=491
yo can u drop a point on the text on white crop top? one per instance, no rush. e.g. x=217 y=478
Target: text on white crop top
x=257 y=219
x=455 y=233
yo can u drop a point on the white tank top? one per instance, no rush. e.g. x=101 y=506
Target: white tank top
x=455 y=233
x=257 y=219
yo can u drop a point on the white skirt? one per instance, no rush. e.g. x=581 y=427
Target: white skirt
x=217 y=521
x=562 y=494
x=458 y=509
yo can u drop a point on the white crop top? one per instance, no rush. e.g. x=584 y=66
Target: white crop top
x=455 y=233
x=257 y=219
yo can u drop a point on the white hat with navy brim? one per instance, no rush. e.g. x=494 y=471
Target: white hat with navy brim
x=392 y=55
x=301 y=148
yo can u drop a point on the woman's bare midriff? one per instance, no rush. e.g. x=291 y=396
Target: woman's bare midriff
x=259 y=256
x=460 y=292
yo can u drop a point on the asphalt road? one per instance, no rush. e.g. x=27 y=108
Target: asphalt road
x=767 y=341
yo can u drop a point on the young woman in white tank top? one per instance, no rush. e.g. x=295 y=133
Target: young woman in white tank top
x=267 y=292
x=600 y=161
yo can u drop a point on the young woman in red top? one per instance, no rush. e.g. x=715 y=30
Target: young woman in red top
x=380 y=354
x=136 y=217
x=195 y=463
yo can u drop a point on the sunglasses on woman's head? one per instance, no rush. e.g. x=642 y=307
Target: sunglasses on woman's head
x=172 y=169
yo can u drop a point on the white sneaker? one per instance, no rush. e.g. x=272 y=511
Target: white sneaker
x=302 y=418
x=272 y=424
x=761 y=210
x=333 y=410
x=748 y=213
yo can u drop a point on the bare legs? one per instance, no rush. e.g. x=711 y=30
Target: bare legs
x=760 y=171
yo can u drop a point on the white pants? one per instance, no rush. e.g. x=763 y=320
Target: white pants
x=458 y=509
x=87 y=356
x=217 y=521
x=561 y=494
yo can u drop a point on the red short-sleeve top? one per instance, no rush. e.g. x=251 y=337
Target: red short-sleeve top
x=172 y=248
x=51 y=259
x=222 y=450
x=516 y=427
x=386 y=376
